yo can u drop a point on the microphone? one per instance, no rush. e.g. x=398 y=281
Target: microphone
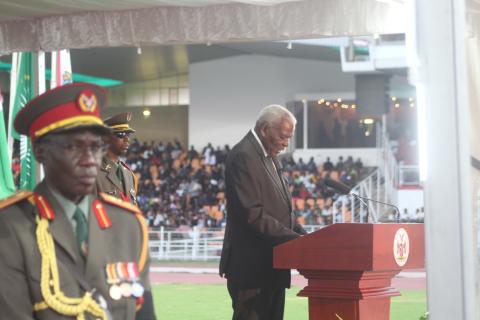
x=344 y=189
x=338 y=186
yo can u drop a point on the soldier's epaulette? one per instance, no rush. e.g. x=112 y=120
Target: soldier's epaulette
x=119 y=203
x=19 y=196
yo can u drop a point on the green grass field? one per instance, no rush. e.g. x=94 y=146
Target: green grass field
x=212 y=302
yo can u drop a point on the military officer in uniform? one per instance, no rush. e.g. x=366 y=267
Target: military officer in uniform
x=64 y=253
x=115 y=177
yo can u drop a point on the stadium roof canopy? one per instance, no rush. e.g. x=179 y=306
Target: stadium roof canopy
x=47 y=25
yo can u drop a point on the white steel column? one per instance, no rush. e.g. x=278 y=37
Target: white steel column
x=305 y=124
x=448 y=217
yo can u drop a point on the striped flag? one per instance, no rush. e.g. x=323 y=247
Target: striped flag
x=7 y=186
x=61 y=68
x=25 y=91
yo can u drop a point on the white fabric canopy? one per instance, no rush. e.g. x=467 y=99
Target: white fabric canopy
x=200 y=24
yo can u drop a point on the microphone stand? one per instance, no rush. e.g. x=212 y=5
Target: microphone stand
x=364 y=203
x=360 y=198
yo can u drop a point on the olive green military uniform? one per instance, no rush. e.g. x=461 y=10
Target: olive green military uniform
x=118 y=180
x=64 y=253
x=21 y=261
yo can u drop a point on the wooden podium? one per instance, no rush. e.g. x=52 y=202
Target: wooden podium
x=350 y=266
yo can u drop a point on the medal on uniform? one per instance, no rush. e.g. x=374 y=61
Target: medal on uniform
x=113 y=280
x=126 y=289
x=115 y=292
x=125 y=286
x=137 y=288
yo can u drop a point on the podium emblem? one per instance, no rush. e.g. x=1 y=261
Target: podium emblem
x=401 y=247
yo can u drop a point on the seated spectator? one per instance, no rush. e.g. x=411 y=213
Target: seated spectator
x=340 y=165
x=328 y=165
x=300 y=165
x=311 y=166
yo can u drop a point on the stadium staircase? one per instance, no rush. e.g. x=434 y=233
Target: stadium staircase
x=380 y=185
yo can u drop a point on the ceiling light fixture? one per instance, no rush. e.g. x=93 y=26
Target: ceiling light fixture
x=368 y=121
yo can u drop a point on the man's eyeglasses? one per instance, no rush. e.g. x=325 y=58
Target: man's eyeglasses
x=122 y=135
x=78 y=149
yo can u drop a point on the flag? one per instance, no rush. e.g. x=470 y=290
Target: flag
x=13 y=90
x=61 y=68
x=28 y=165
x=7 y=187
x=25 y=91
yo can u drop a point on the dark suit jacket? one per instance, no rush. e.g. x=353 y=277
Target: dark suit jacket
x=108 y=182
x=20 y=260
x=259 y=217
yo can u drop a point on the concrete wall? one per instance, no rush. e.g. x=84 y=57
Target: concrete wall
x=165 y=124
x=227 y=94
x=410 y=199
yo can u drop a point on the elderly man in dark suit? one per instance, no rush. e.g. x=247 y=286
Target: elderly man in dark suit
x=259 y=217
x=65 y=253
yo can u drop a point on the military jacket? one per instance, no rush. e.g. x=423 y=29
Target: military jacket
x=117 y=235
x=108 y=182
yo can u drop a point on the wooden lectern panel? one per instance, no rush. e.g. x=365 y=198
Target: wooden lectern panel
x=352 y=246
x=350 y=266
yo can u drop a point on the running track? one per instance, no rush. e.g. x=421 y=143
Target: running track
x=412 y=279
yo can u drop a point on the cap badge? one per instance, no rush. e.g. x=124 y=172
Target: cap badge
x=87 y=101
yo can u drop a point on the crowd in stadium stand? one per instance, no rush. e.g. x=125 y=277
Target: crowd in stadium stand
x=186 y=188
x=180 y=189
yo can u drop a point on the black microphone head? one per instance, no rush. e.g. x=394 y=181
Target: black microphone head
x=338 y=186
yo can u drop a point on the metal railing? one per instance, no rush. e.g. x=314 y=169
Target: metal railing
x=381 y=185
x=192 y=245
x=396 y=174
x=349 y=208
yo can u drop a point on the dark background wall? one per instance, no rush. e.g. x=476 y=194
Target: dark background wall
x=165 y=123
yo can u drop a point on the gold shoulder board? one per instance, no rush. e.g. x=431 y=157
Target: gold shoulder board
x=19 y=196
x=119 y=203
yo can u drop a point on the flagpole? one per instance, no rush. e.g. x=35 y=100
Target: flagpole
x=13 y=92
x=40 y=87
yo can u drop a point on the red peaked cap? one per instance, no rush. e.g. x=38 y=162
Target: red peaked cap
x=68 y=107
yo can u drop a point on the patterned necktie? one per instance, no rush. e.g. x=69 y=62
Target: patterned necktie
x=81 y=231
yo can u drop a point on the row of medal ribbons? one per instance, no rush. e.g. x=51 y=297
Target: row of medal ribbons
x=123 y=279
